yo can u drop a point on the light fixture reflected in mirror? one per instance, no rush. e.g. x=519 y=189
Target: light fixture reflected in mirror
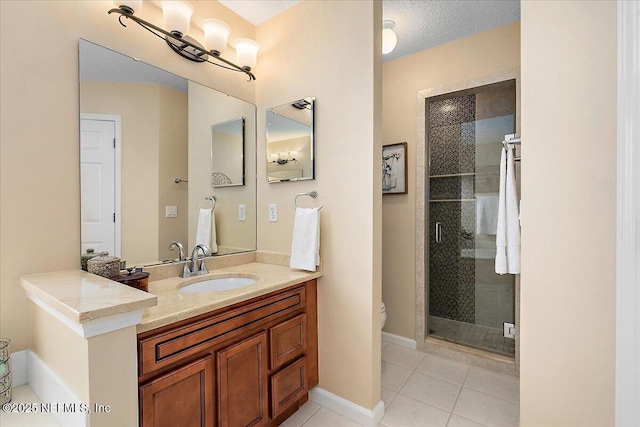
x=283 y=158
x=389 y=38
x=177 y=19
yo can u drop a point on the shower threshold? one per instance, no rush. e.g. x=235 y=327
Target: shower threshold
x=475 y=336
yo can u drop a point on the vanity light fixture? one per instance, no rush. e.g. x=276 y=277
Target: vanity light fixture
x=283 y=158
x=389 y=38
x=177 y=20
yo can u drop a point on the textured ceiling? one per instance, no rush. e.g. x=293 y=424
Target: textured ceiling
x=420 y=24
x=423 y=24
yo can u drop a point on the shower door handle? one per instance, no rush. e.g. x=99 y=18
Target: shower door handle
x=438 y=232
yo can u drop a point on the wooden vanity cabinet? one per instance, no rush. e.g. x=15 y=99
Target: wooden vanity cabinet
x=249 y=364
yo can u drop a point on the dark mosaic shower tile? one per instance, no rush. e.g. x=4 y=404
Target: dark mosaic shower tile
x=457 y=187
x=452 y=277
x=451 y=111
x=452 y=136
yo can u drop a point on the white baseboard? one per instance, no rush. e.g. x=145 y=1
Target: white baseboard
x=398 y=340
x=19 y=368
x=346 y=408
x=49 y=388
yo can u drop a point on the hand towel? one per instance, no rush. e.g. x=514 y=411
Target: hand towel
x=214 y=238
x=203 y=232
x=305 y=245
x=486 y=213
x=508 y=227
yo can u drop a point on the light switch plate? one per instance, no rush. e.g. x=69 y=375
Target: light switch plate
x=273 y=212
x=171 y=212
x=241 y=213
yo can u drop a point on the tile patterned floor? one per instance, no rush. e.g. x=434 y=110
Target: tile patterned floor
x=418 y=389
x=423 y=390
x=24 y=394
x=478 y=336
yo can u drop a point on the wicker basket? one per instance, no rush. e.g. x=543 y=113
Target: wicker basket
x=104 y=265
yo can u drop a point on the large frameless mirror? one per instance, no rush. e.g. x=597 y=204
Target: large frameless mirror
x=290 y=141
x=150 y=141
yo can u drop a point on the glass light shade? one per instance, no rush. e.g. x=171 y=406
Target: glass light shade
x=216 y=34
x=389 y=38
x=132 y=5
x=177 y=16
x=246 y=53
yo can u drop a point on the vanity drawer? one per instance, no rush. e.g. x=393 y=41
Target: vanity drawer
x=288 y=340
x=159 y=350
x=288 y=385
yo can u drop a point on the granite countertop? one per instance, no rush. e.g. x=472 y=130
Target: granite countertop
x=83 y=297
x=174 y=306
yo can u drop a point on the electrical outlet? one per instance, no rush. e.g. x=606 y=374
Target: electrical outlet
x=171 y=212
x=273 y=212
x=509 y=330
x=241 y=213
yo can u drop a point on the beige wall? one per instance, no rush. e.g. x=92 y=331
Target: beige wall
x=206 y=108
x=567 y=368
x=63 y=350
x=344 y=77
x=116 y=387
x=477 y=56
x=39 y=137
x=84 y=365
x=173 y=163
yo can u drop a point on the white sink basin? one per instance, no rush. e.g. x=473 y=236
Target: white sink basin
x=219 y=284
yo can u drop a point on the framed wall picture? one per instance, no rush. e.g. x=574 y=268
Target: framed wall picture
x=394 y=168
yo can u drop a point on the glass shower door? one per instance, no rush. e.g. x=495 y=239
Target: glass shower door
x=468 y=302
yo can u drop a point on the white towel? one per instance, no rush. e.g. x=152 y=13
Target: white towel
x=206 y=231
x=486 y=213
x=214 y=238
x=305 y=245
x=508 y=229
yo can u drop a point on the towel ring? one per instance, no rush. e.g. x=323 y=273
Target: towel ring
x=313 y=194
x=213 y=201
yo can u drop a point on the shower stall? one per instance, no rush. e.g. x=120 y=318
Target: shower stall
x=467 y=302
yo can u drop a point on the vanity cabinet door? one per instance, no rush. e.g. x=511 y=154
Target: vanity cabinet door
x=181 y=398
x=243 y=383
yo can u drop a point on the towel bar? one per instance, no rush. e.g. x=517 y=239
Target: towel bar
x=313 y=194
x=213 y=199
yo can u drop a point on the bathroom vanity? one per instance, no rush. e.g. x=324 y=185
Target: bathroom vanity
x=244 y=356
x=249 y=364
x=240 y=357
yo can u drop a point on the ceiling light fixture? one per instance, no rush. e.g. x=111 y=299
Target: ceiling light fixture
x=177 y=18
x=389 y=38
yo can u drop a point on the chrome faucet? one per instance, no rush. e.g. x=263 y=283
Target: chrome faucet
x=195 y=270
x=180 y=248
